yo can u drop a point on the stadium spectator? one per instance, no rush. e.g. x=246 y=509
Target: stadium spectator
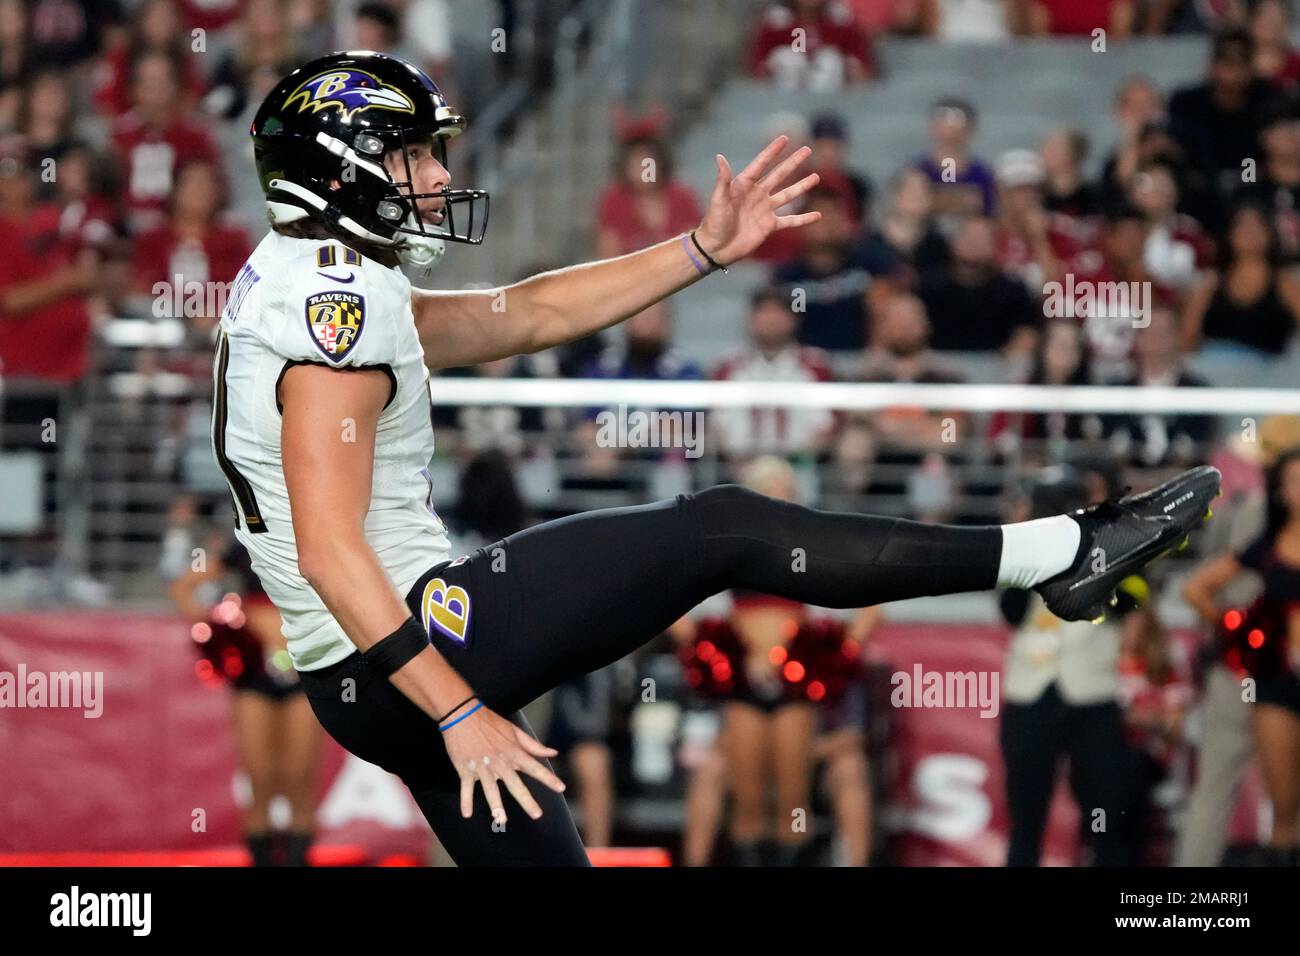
x=811 y=44
x=88 y=218
x=1080 y=17
x=505 y=428
x=1275 y=59
x=783 y=247
x=211 y=15
x=1033 y=244
x=1153 y=440
x=1065 y=188
x=974 y=307
x=80 y=192
x=70 y=32
x=1277 y=186
x=1197 y=193
x=1246 y=308
x=488 y=503
x=45 y=278
x=156 y=27
x=1217 y=122
x=46 y=117
x=196 y=248
x=837 y=282
x=16 y=60
x=1061 y=359
x=907 y=231
x=903 y=17
x=431 y=39
x=1138 y=104
x=1192 y=16
x=907 y=440
x=312 y=24
x=645 y=352
x=155 y=139
x=902 y=351
x=963 y=182
x=1177 y=248
x=1124 y=290
x=644 y=204
x=969 y=21
x=830 y=146
x=264 y=52
x=773 y=355
x=378 y=26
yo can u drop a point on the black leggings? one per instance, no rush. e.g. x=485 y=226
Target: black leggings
x=570 y=596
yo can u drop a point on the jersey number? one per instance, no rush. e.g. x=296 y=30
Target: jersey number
x=245 y=502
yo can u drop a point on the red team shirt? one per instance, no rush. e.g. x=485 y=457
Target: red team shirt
x=618 y=213
x=150 y=158
x=113 y=81
x=829 y=44
x=49 y=343
x=161 y=255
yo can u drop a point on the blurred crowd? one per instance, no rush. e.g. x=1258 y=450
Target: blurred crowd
x=122 y=151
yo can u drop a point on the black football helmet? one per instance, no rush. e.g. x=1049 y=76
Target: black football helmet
x=320 y=136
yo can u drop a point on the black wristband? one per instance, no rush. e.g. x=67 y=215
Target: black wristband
x=458 y=707
x=708 y=258
x=394 y=651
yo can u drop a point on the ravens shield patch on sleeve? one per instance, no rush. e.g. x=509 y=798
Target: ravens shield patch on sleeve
x=335 y=321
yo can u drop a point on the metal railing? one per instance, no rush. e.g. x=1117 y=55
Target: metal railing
x=134 y=437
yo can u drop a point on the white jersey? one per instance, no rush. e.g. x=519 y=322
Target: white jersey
x=315 y=300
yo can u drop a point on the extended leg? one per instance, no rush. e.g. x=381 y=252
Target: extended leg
x=589 y=589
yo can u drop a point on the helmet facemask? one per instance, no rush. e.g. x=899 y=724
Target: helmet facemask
x=401 y=206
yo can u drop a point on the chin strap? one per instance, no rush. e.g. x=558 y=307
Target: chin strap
x=421 y=252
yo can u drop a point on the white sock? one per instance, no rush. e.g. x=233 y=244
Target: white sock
x=1033 y=551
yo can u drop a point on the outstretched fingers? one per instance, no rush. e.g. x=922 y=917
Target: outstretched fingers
x=758 y=165
x=535 y=768
x=487 y=776
x=780 y=198
x=724 y=170
x=787 y=166
x=802 y=219
x=515 y=784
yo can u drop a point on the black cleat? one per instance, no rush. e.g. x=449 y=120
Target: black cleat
x=1120 y=538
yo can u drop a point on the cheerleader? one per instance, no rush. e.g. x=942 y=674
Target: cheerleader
x=1264 y=644
x=277 y=738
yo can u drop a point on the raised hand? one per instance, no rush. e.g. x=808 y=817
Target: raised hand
x=742 y=210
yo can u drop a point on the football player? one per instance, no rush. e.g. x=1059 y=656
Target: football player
x=419 y=662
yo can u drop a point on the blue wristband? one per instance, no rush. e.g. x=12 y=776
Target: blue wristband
x=704 y=270
x=460 y=718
